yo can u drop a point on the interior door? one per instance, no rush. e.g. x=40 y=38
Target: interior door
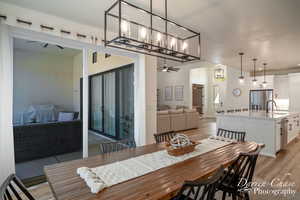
x=198 y=97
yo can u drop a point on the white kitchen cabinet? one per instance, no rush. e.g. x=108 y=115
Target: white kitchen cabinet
x=294 y=94
x=278 y=133
x=293 y=126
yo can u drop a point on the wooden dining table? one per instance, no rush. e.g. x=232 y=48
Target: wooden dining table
x=162 y=184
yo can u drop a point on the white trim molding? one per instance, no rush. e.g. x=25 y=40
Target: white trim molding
x=7 y=159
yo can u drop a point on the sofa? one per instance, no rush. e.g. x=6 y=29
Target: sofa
x=40 y=140
x=177 y=120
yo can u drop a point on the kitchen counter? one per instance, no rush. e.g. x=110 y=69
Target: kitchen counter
x=259 y=115
x=275 y=129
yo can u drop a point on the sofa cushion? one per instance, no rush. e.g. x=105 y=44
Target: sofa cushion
x=65 y=116
x=190 y=110
x=163 y=112
x=176 y=111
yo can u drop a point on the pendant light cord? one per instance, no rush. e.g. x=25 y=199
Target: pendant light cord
x=265 y=72
x=241 y=54
x=254 y=63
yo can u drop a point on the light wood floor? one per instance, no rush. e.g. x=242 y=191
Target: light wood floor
x=286 y=166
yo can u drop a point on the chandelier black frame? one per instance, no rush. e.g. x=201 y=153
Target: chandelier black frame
x=150 y=47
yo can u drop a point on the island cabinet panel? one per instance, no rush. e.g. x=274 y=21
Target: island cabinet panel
x=293 y=126
x=274 y=129
x=258 y=130
x=279 y=132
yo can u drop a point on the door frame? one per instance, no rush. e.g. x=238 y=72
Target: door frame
x=23 y=33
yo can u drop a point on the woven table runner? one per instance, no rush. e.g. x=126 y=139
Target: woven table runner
x=108 y=175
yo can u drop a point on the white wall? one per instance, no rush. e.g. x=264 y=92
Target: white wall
x=166 y=79
x=103 y=64
x=42 y=78
x=182 y=78
x=203 y=73
x=232 y=82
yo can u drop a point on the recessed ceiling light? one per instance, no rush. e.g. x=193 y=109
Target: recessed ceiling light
x=299 y=64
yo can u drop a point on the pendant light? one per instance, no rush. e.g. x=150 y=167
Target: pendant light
x=254 y=81
x=265 y=82
x=241 y=78
x=173 y=41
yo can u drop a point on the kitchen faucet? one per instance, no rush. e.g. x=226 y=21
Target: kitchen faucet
x=273 y=103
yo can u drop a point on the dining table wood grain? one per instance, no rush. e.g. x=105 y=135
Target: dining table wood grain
x=162 y=184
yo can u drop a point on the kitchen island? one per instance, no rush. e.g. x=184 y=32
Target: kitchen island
x=275 y=129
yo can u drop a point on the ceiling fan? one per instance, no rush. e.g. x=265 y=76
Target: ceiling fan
x=45 y=45
x=167 y=68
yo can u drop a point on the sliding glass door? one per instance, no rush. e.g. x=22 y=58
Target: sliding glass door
x=96 y=103
x=109 y=96
x=125 y=104
x=112 y=103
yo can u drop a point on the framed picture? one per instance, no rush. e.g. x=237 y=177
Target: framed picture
x=179 y=92
x=169 y=93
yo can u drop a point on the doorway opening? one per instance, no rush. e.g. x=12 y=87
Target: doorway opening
x=198 y=97
x=46 y=107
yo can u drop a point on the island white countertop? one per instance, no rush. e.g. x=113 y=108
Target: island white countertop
x=259 y=114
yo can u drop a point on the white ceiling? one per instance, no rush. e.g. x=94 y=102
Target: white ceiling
x=35 y=46
x=266 y=29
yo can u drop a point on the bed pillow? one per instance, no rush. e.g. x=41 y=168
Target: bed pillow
x=65 y=116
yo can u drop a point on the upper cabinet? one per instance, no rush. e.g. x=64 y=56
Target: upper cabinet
x=294 y=92
x=281 y=87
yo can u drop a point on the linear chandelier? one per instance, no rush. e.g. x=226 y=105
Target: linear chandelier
x=136 y=29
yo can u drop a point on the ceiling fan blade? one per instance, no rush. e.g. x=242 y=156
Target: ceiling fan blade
x=46 y=45
x=174 y=69
x=59 y=46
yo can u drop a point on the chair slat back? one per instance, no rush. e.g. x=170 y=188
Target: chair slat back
x=200 y=189
x=242 y=168
x=109 y=147
x=237 y=135
x=13 y=189
x=164 y=137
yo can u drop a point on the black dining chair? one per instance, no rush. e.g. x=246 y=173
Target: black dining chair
x=13 y=188
x=164 y=137
x=108 y=147
x=203 y=189
x=241 y=169
x=128 y=143
x=237 y=135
